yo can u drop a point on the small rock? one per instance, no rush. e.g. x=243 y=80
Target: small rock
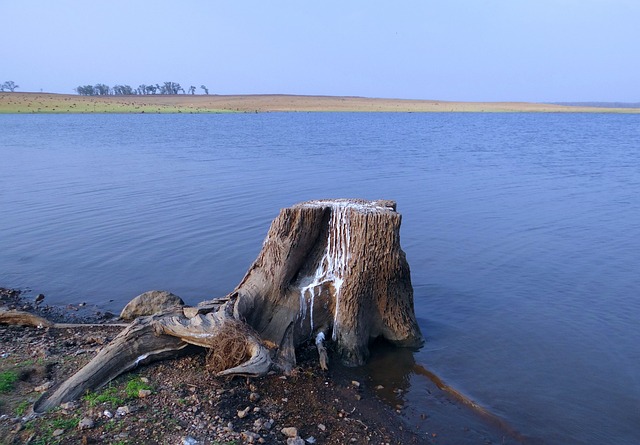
x=254 y=397
x=268 y=424
x=57 y=433
x=69 y=406
x=310 y=439
x=123 y=411
x=295 y=441
x=321 y=427
x=188 y=440
x=86 y=423
x=144 y=393
x=39 y=298
x=379 y=387
x=290 y=431
x=243 y=413
x=355 y=383
x=249 y=437
x=108 y=414
x=43 y=387
x=144 y=380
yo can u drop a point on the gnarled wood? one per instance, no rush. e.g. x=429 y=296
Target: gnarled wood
x=21 y=318
x=330 y=268
x=137 y=344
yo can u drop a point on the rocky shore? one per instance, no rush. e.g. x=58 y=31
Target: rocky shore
x=179 y=402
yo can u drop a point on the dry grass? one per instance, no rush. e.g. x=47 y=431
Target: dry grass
x=229 y=348
x=184 y=103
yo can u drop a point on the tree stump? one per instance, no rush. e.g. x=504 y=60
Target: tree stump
x=328 y=269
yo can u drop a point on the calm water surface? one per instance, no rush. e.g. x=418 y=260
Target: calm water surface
x=522 y=232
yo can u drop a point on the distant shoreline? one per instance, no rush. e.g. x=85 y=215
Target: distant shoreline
x=21 y=103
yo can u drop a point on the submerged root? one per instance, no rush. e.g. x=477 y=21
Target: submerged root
x=230 y=347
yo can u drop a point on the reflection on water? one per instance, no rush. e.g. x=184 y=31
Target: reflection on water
x=522 y=232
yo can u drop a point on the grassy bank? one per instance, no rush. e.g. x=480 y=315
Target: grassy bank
x=67 y=103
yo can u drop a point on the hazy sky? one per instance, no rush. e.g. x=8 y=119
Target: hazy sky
x=477 y=50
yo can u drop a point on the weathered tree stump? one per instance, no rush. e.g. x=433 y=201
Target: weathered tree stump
x=329 y=269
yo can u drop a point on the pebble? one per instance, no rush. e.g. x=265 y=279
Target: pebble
x=144 y=393
x=295 y=441
x=290 y=431
x=86 y=423
x=243 y=413
x=70 y=406
x=43 y=387
x=310 y=439
x=249 y=437
x=355 y=383
x=254 y=397
x=188 y=440
x=321 y=427
x=58 y=433
x=123 y=411
x=108 y=414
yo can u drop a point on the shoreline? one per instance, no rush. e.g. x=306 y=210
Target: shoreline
x=342 y=405
x=52 y=103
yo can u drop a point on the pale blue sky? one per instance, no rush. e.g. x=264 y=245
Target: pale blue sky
x=476 y=50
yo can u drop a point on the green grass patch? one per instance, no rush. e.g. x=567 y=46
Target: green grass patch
x=43 y=430
x=108 y=395
x=7 y=380
x=134 y=386
x=22 y=408
x=116 y=395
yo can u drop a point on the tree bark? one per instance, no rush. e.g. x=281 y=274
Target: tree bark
x=329 y=269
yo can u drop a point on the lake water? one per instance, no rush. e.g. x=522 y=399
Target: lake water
x=522 y=232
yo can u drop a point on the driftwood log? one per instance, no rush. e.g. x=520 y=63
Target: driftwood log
x=329 y=270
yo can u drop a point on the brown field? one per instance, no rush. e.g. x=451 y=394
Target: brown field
x=67 y=103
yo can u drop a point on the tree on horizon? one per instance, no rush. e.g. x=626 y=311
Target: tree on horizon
x=9 y=85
